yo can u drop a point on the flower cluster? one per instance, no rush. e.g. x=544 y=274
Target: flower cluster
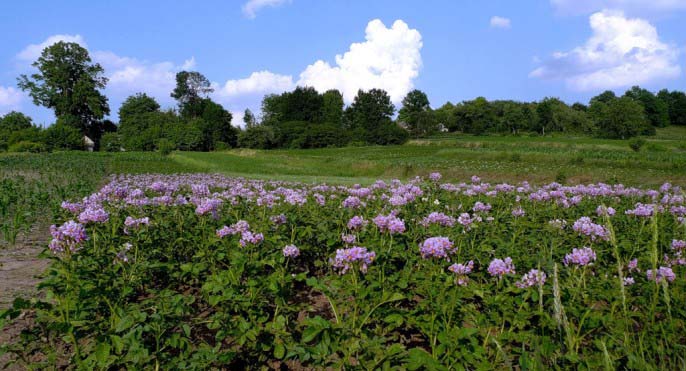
x=662 y=273
x=438 y=218
x=581 y=257
x=67 y=237
x=390 y=223
x=480 y=207
x=533 y=277
x=585 y=226
x=357 y=222
x=355 y=256
x=518 y=212
x=291 y=251
x=243 y=228
x=603 y=210
x=462 y=271
x=499 y=267
x=436 y=247
x=133 y=223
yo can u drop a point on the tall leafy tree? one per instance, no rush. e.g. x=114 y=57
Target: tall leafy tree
x=371 y=109
x=70 y=84
x=416 y=113
x=14 y=121
x=332 y=107
x=656 y=110
x=303 y=104
x=249 y=119
x=191 y=88
x=621 y=118
x=676 y=105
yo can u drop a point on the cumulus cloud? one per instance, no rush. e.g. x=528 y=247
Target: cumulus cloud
x=262 y=82
x=500 y=22
x=251 y=8
x=389 y=59
x=630 y=6
x=10 y=98
x=33 y=51
x=620 y=52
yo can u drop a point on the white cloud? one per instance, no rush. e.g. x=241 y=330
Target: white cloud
x=630 y=6
x=33 y=51
x=389 y=59
x=251 y=8
x=621 y=52
x=500 y=22
x=10 y=99
x=262 y=82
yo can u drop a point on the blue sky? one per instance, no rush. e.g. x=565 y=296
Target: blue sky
x=452 y=50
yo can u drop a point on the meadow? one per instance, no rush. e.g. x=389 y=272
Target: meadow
x=246 y=259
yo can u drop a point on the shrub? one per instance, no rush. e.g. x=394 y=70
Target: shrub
x=258 y=137
x=110 y=142
x=636 y=144
x=61 y=136
x=165 y=146
x=221 y=146
x=26 y=146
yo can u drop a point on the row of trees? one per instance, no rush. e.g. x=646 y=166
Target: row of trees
x=637 y=112
x=70 y=84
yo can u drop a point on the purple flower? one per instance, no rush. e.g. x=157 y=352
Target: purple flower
x=533 y=277
x=67 y=237
x=134 y=223
x=582 y=257
x=602 y=210
x=251 y=238
x=436 y=247
x=663 y=273
x=438 y=218
x=462 y=271
x=352 y=202
x=481 y=207
x=355 y=256
x=348 y=238
x=499 y=267
x=642 y=210
x=94 y=215
x=585 y=226
x=291 y=251
x=678 y=245
x=518 y=211
x=476 y=179
x=435 y=177
x=278 y=219
x=357 y=222
x=209 y=205
x=72 y=207
x=633 y=265
x=389 y=223
x=628 y=281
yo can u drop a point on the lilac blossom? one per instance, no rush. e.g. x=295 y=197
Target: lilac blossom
x=355 y=256
x=461 y=272
x=585 y=226
x=438 y=218
x=436 y=247
x=499 y=267
x=582 y=257
x=357 y=222
x=67 y=237
x=603 y=210
x=435 y=177
x=389 y=223
x=663 y=273
x=533 y=277
x=291 y=251
x=278 y=219
x=348 y=239
x=94 y=215
x=480 y=207
x=518 y=212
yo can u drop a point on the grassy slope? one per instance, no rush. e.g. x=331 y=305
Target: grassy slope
x=494 y=158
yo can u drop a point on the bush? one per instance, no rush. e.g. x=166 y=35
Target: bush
x=61 y=136
x=258 y=137
x=26 y=146
x=165 y=146
x=221 y=146
x=636 y=144
x=110 y=142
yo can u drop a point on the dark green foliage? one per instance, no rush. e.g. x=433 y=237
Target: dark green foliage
x=110 y=142
x=416 y=114
x=636 y=143
x=622 y=118
x=191 y=87
x=64 y=137
x=656 y=110
x=27 y=146
x=258 y=137
x=68 y=83
x=14 y=121
x=249 y=119
x=676 y=105
x=332 y=107
x=165 y=146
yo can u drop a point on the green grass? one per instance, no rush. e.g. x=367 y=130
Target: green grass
x=494 y=158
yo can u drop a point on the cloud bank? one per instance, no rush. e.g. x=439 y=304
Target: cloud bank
x=620 y=52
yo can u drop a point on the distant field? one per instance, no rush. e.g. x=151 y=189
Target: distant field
x=495 y=158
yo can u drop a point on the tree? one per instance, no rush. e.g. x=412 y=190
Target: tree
x=416 y=113
x=656 y=110
x=216 y=126
x=68 y=83
x=621 y=118
x=13 y=121
x=676 y=105
x=332 y=107
x=475 y=116
x=259 y=137
x=371 y=109
x=551 y=115
x=445 y=115
x=191 y=88
x=61 y=136
x=137 y=104
x=249 y=119
x=302 y=104
x=605 y=97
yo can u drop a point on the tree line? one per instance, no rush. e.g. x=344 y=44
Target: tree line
x=68 y=82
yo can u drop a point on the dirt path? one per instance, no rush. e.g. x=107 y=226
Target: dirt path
x=20 y=266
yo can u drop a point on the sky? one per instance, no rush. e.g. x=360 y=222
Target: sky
x=452 y=50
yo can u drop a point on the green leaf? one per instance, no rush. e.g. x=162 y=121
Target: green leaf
x=279 y=351
x=102 y=353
